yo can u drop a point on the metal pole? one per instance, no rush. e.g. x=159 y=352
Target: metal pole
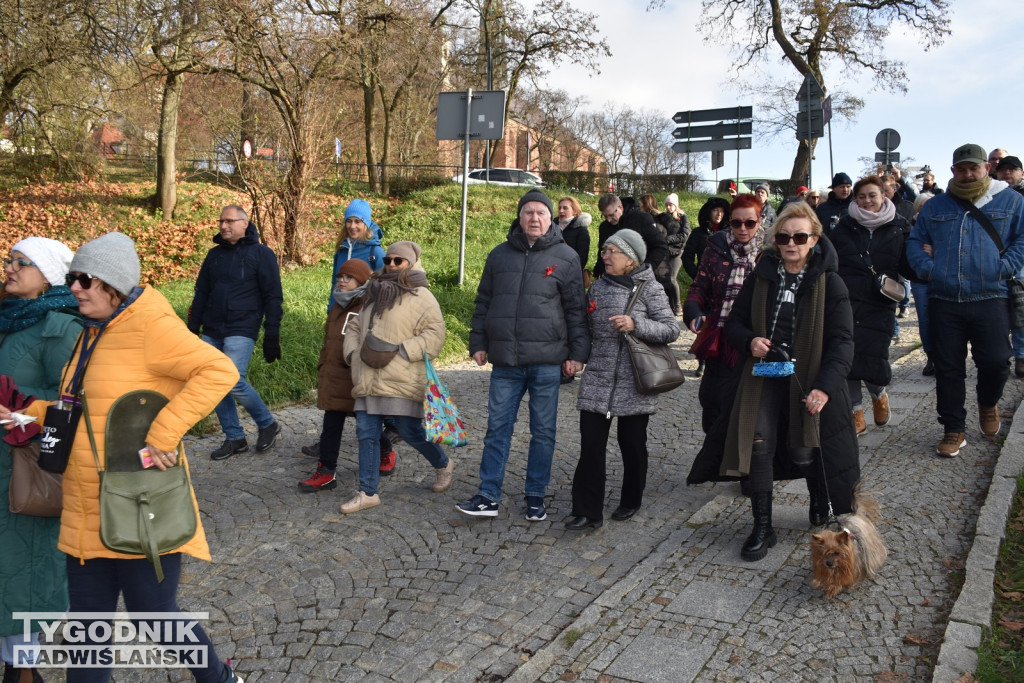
x=831 y=164
x=465 y=189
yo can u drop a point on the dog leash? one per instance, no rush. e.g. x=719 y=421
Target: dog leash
x=832 y=521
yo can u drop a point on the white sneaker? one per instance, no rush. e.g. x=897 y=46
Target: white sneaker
x=360 y=501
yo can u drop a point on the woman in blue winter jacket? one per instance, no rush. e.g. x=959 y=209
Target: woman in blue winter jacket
x=361 y=239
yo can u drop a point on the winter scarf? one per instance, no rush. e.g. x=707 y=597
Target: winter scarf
x=870 y=219
x=384 y=290
x=745 y=256
x=972 y=192
x=344 y=298
x=21 y=314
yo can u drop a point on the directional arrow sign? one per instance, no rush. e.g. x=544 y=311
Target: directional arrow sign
x=687 y=146
x=713 y=114
x=721 y=129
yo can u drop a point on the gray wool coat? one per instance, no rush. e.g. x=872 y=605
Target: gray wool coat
x=607 y=385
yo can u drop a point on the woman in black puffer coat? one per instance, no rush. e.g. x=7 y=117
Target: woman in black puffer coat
x=869 y=243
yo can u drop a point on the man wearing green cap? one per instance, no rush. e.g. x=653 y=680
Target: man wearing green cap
x=966 y=244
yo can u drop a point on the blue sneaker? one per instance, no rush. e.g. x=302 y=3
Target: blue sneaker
x=478 y=506
x=535 y=511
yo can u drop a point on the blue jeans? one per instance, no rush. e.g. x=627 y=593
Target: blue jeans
x=985 y=325
x=239 y=350
x=368 y=429
x=508 y=386
x=95 y=585
x=920 y=292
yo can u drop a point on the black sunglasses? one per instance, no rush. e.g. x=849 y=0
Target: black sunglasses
x=84 y=280
x=799 y=238
x=397 y=260
x=736 y=223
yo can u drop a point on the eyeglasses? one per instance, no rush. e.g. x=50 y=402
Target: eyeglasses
x=84 y=280
x=610 y=251
x=749 y=224
x=16 y=264
x=799 y=239
x=221 y=221
x=397 y=260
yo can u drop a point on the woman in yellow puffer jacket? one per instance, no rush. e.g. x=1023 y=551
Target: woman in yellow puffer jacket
x=402 y=315
x=132 y=340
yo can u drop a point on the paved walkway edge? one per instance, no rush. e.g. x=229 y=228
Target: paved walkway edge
x=971 y=617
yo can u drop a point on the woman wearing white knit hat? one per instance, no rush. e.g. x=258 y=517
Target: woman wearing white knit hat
x=39 y=324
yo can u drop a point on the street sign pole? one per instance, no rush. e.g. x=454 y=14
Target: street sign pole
x=457 y=120
x=731 y=132
x=465 y=187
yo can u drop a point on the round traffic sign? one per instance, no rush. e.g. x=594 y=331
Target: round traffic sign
x=247 y=149
x=887 y=139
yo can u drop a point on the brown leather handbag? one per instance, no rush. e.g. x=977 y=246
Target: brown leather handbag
x=33 y=491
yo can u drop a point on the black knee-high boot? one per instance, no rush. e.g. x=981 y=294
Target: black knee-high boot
x=763 y=536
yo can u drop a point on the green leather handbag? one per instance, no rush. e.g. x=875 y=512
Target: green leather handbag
x=142 y=511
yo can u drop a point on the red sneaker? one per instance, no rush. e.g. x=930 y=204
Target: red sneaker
x=322 y=480
x=387 y=463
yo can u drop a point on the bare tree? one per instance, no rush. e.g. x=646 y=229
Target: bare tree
x=815 y=34
x=289 y=50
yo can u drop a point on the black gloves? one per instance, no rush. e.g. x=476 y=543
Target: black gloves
x=271 y=347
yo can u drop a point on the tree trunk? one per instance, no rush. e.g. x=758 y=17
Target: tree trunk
x=167 y=142
x=369 y=95
x=801 y=165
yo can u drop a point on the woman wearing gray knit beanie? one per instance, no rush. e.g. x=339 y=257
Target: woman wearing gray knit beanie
x=132 y=340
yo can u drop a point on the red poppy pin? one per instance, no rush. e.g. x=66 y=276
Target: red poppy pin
x=591 y=307
x=549 y=270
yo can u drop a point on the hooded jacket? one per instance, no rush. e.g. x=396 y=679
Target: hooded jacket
x=530 y=307
x=145 y=347
x=238 y=289
x=966 y=264
x=677 y=230
x=698 y=239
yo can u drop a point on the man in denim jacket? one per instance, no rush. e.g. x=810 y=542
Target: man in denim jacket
x=967 y=292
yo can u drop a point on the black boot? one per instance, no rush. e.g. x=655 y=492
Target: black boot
x=763 y=536
x=817 y=513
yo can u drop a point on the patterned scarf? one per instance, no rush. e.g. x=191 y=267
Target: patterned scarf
x=383 y=290
x=21 y=314
x=744 y=258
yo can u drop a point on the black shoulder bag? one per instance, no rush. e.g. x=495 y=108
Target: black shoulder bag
x=1014 y=286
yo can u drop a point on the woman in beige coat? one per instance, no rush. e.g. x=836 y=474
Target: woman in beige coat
x=403 y=320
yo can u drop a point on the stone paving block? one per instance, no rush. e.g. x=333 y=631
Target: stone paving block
x=728 y=553
x=791 y=516
x=709 y=600
x=652 y=659
x=995 y=512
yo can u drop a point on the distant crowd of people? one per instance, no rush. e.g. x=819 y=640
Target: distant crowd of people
x=793 y=314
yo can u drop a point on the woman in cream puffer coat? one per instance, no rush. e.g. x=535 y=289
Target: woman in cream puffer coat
x=399 y=311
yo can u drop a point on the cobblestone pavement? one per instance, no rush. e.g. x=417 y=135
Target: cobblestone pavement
x=415 y=591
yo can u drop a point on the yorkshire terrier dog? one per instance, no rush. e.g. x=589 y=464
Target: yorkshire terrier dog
x=843 y=558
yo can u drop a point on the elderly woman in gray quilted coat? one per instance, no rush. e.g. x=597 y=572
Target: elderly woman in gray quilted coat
x=607 y=389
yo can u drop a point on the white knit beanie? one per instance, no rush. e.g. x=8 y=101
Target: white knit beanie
x=53 y=258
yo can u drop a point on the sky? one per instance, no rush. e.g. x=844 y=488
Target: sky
x=969 y=89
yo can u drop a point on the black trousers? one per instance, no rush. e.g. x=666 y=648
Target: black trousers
x=717 y=391
x=589 y=481
x=774 y=406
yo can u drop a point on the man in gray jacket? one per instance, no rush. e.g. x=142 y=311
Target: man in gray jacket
x=531 y=323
